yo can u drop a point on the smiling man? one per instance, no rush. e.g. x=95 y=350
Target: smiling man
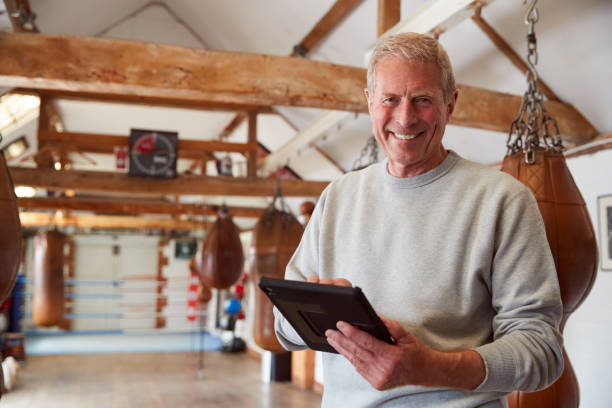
x=453 y=254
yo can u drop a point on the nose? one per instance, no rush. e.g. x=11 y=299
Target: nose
x=405 y=113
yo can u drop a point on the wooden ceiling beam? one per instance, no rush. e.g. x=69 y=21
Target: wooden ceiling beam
x=252 y=140
x=485 y=109
x=38 y=219
x=105 y=144
x=389 y=14
x=98 y=181
x=89 y=97
x=131 y=207
x=152 y=72
x=232 y=125
x=334 y=16
x=599 y=143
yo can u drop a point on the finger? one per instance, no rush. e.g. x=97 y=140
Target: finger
x=325 y=281
x=358 y=357
x=359 y=337
x=313 y=279
x=342 y=282
x=364 y=366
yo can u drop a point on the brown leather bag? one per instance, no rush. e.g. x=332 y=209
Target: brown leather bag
x=10 y=233
x=275 y=238
x=222 y=260
x=48 y=297
x=572 y=242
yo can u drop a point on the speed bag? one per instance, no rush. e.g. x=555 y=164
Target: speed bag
x=10 y=233
x=221 y=260
x=275 y=238
x=48 y=293
x=573 y=245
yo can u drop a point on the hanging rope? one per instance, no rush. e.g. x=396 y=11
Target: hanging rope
x=533 y=128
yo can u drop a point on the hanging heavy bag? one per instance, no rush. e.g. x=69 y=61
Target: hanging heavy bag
x=48 y=296
x=222 y=260
x=572 y=242
x=535 y=158
x=10 y=233
x=275 y=238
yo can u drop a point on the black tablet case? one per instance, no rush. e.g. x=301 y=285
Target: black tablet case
x=312 y=308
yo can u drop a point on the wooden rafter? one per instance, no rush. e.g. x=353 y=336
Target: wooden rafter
x=232 y=125
x=389 y=14
x=490 y=110
x=334 y=16
x=98 y=181
x=104 y=144
x=159 y=73
x=41 y=61
x=37 y=219
x=599 y=143
x=131 y=207
x=252 y=140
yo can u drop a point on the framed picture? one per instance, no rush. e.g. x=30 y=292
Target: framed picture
x=605 y=231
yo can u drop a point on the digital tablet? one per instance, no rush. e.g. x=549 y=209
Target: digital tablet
x=312 y=308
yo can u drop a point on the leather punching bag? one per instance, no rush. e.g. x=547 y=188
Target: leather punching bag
x=275 y=238
x=10 y=233
x=48 y=297
x=572 y=242
x=222 y=260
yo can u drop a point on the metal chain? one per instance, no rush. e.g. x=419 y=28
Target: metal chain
x=533 y=128
x=370 y=150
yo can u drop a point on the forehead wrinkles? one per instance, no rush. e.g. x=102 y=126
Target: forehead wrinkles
x=397 y=76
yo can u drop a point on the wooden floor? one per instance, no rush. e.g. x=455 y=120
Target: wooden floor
x=156 y=380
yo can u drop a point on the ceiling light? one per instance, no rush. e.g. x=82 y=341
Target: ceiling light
x=15 y=149
x=25 y=191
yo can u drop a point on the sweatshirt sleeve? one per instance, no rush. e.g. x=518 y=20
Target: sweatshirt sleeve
x=526 y=351
x=303 y=264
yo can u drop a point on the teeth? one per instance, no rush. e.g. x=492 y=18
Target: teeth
x=404 y=137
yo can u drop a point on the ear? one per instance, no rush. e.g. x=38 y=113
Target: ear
x=367 y=95
x=450 y=107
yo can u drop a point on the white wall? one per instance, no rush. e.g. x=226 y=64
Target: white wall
x=588 y=334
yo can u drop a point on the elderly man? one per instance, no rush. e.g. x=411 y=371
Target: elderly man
x=452 y=253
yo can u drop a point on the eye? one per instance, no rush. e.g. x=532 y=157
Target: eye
x=389 y=100
x=422 y=100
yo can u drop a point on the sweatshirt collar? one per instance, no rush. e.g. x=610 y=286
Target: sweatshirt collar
x=421 y=179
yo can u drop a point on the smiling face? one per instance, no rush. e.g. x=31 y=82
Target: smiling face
x=409 y=115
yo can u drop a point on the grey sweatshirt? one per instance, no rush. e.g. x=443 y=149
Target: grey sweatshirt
x=459 y=257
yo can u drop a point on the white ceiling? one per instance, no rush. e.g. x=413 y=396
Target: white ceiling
x=575 y=56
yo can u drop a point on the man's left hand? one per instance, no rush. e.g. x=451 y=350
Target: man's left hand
x=408 y=361
x=383 y=365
